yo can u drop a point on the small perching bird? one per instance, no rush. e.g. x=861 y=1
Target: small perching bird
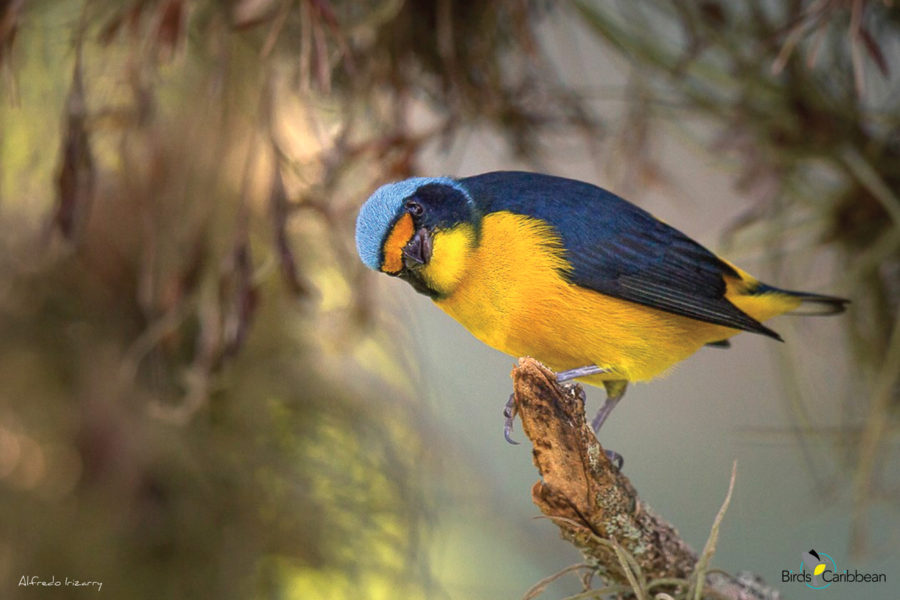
x=566 y=272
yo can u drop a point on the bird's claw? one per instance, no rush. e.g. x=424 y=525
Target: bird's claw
x=616 y=459
x=509 y=415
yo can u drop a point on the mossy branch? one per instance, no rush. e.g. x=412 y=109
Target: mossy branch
x=596 y=507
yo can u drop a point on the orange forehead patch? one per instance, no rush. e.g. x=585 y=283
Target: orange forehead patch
x=396 y=241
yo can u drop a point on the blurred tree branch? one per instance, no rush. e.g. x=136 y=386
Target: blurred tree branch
x=175 y=336
x=183 y=334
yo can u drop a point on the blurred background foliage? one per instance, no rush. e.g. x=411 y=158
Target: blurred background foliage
x=802 y=99
x=200 y=397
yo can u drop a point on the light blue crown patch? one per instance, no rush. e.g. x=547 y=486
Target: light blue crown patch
x=378 y=214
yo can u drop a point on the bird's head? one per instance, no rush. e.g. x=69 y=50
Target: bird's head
x=422 y=230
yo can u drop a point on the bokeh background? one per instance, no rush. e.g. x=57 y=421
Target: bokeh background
x=203 y=393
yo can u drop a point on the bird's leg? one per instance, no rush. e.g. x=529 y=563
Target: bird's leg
x=580 y=372
x=509 y=414
x=614 y=392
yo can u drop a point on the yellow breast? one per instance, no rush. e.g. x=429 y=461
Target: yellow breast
x=511 y=295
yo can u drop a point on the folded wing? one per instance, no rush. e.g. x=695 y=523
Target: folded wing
x=618 y=249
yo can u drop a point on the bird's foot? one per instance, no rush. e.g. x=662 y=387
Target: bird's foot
x=509 y=415
x=616 y=459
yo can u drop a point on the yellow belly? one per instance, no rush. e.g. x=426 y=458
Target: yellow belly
x=513 y=298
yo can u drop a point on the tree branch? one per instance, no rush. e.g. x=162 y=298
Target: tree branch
x=596 y=507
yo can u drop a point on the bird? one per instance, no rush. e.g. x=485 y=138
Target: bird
x=564 y=271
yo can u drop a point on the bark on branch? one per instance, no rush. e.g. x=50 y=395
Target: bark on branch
x=594 y=505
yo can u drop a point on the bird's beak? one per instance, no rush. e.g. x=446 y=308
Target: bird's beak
x=418 y=251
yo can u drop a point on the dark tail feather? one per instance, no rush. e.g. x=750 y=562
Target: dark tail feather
x=820 y=305
x=812 y=304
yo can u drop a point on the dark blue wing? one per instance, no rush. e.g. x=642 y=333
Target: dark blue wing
x=618 y=249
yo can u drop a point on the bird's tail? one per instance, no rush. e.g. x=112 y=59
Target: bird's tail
x=810 y=304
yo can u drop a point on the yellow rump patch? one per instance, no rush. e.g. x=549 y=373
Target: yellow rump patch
x=396 y=241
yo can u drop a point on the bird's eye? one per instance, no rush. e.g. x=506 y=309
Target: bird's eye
x=414 y=208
